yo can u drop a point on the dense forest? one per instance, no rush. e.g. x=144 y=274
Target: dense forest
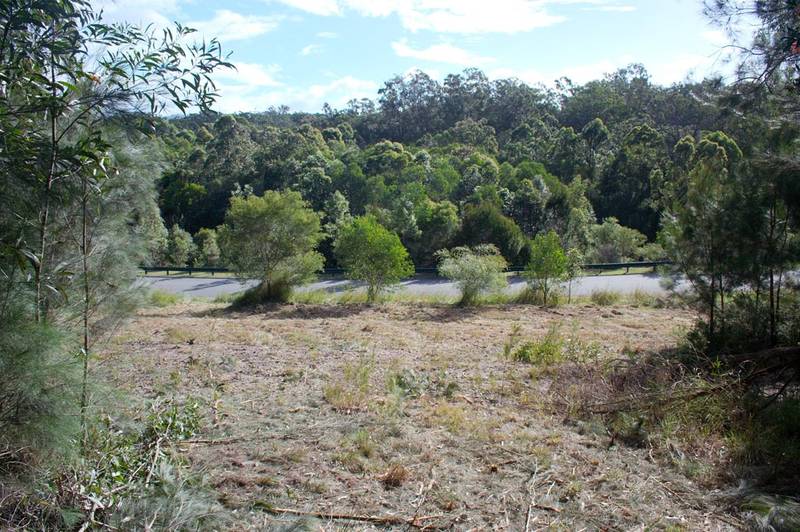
x=464 y=161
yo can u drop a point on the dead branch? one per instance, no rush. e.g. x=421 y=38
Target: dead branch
x=415 y=522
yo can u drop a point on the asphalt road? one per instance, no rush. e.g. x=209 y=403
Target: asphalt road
x=419 y=286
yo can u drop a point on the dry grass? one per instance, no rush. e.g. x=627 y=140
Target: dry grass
x=408 y=410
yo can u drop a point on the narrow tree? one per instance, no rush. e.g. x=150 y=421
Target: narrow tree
x=548 y=264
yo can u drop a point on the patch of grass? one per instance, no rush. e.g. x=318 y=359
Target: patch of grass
x=161 y=299
x=546 y=352
x=310 y=297
x=642 y=298
x=352 y=390
x=363 y=443
x=605 y=298
x=178 y=335
x=450 y=416
x=534 y=297
x=226 y=298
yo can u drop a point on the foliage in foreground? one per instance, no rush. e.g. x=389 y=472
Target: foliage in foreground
x=128 y=478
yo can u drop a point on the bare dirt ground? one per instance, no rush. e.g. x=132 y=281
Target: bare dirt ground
x=406 y=412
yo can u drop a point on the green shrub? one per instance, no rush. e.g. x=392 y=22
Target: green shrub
x=371 y=253
x=605 y=298
x=159 y=298
x=271 y=237
x=545 y=352
x=476 y=271
x=39 y=393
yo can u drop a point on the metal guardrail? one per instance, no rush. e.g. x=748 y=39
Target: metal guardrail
x=339 y=271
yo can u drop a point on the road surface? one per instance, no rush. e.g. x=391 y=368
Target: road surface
x=419 y=286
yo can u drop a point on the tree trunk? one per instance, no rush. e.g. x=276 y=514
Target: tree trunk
x=86 y=306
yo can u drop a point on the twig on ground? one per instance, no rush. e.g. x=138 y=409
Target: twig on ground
x=415 y=522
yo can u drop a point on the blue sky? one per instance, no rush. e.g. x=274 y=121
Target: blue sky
x=303 y=53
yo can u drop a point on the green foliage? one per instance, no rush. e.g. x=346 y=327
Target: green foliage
x=478 y=270
x=207 y=250
x=543 y=353
x=612 y=242
x=548 y=264
x=158 y=298
x=39 y=389
x=271 y=237
x=486 y=224
x=371 y=253
x=181 y=249
x=604 y=298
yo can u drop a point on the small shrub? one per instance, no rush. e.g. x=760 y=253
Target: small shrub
x=159 y=298
x=476 y=271
x=642 y=298
x=605 y=298
x=545 y=352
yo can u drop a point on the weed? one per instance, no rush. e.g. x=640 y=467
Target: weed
x=159 y=298
x=351 y=392
x=449 y=416
x=642 y=298
x=605 y=298
x=545 y=352
x=363 y=443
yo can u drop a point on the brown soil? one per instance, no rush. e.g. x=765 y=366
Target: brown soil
x=301 y=415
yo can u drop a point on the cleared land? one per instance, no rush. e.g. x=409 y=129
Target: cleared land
x=407 y=411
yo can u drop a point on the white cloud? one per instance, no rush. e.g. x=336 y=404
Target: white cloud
x=311 y=49
x=231 y=26
x=579 y=74
x=716 y=37
x=159 y=12
x=249 y=75
x=440 y=53
x=317 y=7
x=614 y=9
x=243 y=97
x=457 y=16
x=666 y=72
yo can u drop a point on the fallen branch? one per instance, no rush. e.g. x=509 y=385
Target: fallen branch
x=209 y=442
x=375 y=519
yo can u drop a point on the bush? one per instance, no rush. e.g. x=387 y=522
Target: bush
x=612 y=242
x=181 y=249
x=271 y=237
x=158 y=298
x=476 y=271
x=545 y=352
x=605 y=298
x=207 y=248
x=371 y=253
x=548 y=264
